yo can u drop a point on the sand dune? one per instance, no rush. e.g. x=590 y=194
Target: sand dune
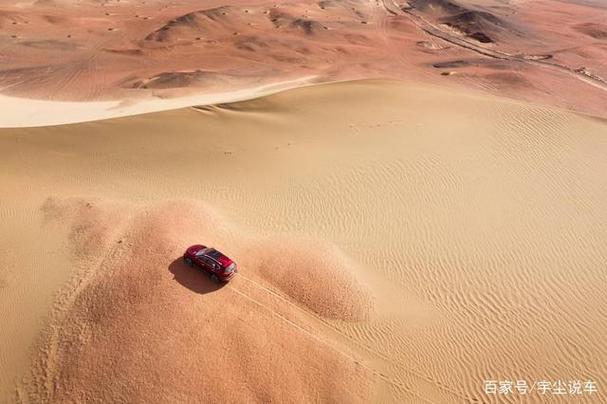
x=23 y=112
x=129 y=331
x=449 y=238
x=317 y=276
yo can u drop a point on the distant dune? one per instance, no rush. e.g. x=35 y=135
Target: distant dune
x=149 y=50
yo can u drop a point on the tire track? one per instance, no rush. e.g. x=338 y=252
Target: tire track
x=366 y=348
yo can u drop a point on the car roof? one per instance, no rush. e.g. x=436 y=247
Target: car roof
x=213 y=253
x=217 y=256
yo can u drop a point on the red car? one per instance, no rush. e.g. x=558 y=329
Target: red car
x=217 y=265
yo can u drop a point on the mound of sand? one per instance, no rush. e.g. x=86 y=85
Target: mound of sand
x=316 y=275
x=143 y=327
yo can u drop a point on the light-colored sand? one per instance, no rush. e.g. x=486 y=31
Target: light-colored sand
x=23 y=112
x=450 y=238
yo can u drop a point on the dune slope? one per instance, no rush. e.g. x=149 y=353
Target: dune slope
x=452 y=237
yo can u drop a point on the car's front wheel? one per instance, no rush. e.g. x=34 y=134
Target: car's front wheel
x=215 y=278
x=188 y=261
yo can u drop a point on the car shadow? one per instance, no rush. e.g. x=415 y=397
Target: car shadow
x=194 y=279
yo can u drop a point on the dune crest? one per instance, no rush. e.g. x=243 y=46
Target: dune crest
x=316 y=275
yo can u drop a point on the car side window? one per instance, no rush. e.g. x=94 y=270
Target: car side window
x=210 y=263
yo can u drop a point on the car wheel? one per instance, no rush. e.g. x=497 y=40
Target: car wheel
x=189 y=261
x=214 y=278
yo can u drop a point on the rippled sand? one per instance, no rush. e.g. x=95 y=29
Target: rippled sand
x=397 y=243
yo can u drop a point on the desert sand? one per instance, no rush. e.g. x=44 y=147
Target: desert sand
x=414 y=192
x=397 y=242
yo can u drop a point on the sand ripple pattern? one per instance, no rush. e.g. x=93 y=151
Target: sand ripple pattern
x=460 y=238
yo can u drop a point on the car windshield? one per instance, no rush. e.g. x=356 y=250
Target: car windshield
x=230 y=268
x=205 y=251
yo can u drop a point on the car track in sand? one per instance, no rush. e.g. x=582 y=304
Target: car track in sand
x=360 y=346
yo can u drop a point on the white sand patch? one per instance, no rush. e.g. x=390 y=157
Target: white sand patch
x=22 y=112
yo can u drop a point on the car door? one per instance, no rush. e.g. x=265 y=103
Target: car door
x=214 y=265
x=207 y=264
x=200 y=260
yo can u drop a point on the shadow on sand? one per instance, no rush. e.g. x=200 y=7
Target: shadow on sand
x=194 y=279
